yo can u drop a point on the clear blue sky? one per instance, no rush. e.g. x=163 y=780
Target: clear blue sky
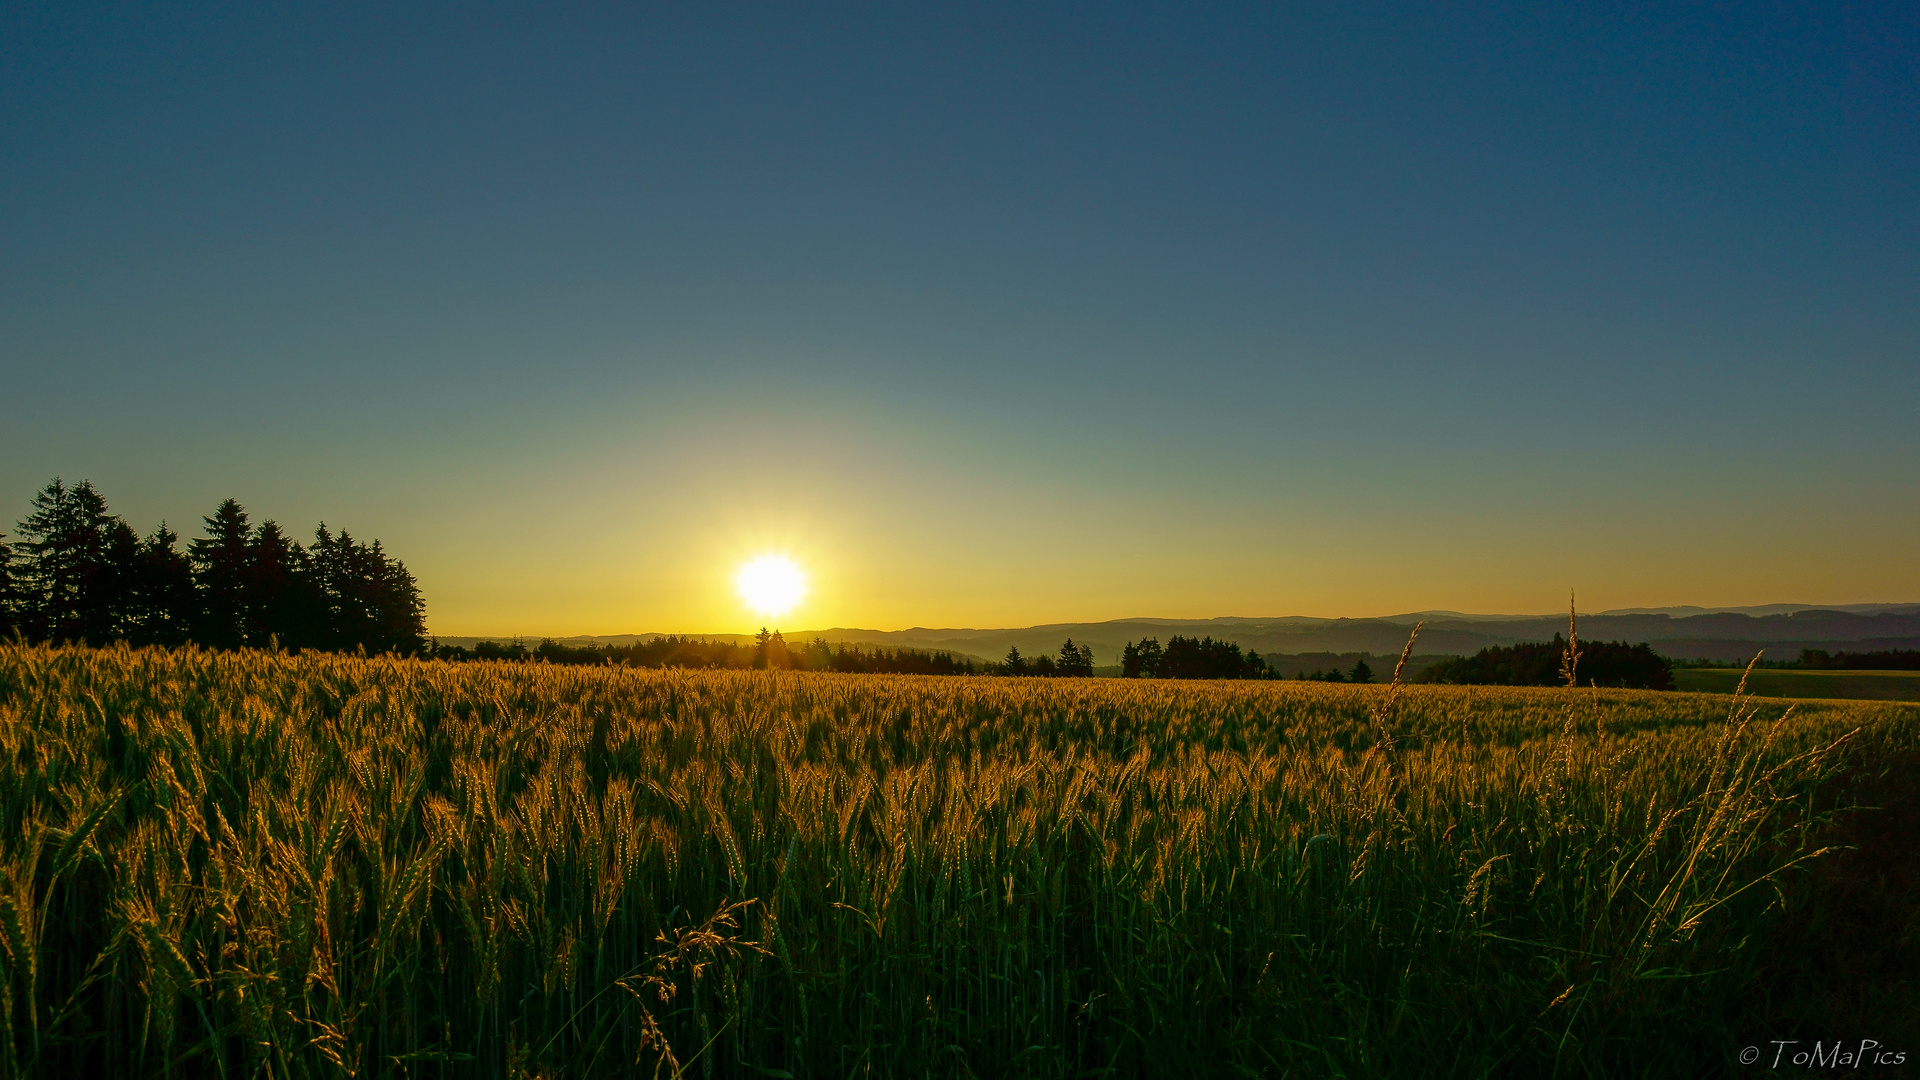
x=988 y=315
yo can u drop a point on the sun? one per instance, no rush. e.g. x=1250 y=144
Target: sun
x=771 y=584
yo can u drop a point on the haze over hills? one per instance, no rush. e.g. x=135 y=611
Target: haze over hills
x=1679 y=632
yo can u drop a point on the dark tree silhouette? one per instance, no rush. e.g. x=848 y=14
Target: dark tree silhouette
x=164 y=604
x=770 y=651
x=690 y=652
x=370 y=601
x=1361 y=673
x=9 y=592
x=1201 y=658
x=66 y=578
x=1142 y=660
x=1075 y=661
x=1602 y=663
x=1191 y=658
x=80 y=574
x=221 y=567
x=820 y=656
x=495 y=650
x=112 y=608
x=1884 y=660
x=403 y=613
x=281 y=603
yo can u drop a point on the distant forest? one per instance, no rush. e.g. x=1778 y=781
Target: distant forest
x=769 y=650
x=1074 y=662
x=1360 y=672
x=1190 y=658
x=1205 y=658
x=75 y=572
x=1601 y=663
x=1886 y=660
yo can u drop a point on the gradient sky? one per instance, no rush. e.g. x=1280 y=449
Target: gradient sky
x=989 y=315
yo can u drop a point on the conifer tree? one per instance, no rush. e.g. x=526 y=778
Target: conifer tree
x=77 y=573
x=220 y=573
x=1256 y=666
x=108 y=613
x=366 y=598
x=403 y=612
x=1075 y=661
x=66 y=576
x=329 y=571
x=283 y=603
x=165 y=606
x=9 y=596
x=1141 y=660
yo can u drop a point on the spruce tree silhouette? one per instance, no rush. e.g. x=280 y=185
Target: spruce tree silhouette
x=220 y=573
x=1075 y=661
x=329 y=570
x=403 y=611
x=367 y=599
x=1141 y=660
x=282 y=603
x=65 y=571
x=164 y=602
x=77 y=573
x=9 y=593
x=109 y=611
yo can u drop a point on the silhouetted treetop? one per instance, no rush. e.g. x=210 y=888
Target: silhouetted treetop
x=81 y=574
x=1190 y=658
x=1602 y=663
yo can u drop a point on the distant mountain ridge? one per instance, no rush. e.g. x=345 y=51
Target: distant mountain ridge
x=1772 y=609
x=1680 y=632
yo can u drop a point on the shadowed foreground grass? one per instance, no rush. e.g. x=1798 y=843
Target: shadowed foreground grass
x=259 y=865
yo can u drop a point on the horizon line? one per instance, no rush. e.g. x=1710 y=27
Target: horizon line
x=1490 y=616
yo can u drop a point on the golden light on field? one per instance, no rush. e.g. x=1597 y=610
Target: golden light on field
x=771 y=584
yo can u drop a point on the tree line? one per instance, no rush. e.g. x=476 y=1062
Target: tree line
x=76 y=572
x=768 y=650
x=1191 y=658
x=1882 y=660
x=1360 y=672
x=1540 y=663
x=1074 y=662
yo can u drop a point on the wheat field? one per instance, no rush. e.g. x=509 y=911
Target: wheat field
x=261 y=865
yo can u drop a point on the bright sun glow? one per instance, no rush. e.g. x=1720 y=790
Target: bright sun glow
x=771 y=584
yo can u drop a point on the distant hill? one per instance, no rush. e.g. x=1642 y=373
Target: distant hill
x=1772 y=609
x=1684 y=633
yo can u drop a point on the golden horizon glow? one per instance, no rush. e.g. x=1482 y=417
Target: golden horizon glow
x=772 y=585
